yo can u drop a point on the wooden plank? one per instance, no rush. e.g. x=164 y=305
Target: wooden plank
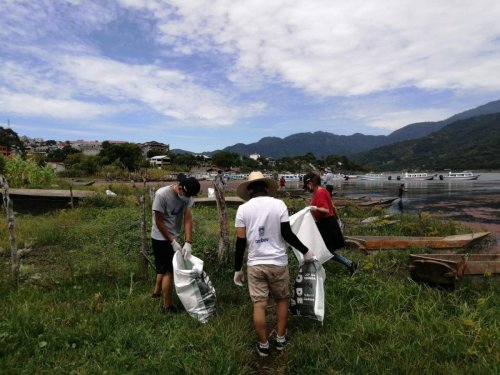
x=50 y=193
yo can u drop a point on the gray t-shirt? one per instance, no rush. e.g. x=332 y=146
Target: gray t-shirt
x=168 y=202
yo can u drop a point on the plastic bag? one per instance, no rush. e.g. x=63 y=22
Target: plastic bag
x=193 y=287
x=308 y=293
x=304 y=227
x=211 y=192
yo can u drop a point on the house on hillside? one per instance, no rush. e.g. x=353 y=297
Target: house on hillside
x=157 y=147
x=254 y=156
x=159 y=160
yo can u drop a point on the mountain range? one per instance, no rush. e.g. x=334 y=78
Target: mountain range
x=322 y=143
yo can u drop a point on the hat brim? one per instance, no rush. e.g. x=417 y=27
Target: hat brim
x=242 y=192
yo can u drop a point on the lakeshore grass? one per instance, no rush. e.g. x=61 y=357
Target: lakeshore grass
x=84 y=307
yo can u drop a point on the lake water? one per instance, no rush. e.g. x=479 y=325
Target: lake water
x=475 y=202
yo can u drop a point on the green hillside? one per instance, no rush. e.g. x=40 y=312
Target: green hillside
x=465 y=144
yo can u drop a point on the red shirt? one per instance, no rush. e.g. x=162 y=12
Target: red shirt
x=322 y=199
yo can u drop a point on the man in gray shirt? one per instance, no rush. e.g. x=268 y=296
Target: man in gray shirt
x=171 y=208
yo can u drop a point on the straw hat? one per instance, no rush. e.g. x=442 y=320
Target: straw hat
x=242 y=191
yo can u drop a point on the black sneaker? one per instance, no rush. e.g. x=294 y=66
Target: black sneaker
x=354 y=267
x=280 y=345
x=262 y=352
x=169 y=309
x=156 y=295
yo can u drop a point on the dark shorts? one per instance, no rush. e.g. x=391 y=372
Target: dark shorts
x=331 y=233
x=163 y=253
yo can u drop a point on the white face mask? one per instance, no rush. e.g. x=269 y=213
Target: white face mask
x=184 y=199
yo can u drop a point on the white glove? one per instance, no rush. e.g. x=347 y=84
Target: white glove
x=176 y=246
x=186 y=250
x=309 y=257
x=239 y=277
x=313 y=208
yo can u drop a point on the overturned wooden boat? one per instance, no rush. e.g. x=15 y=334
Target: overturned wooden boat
x=377 y=202
x=230 y=201
x=447 y=269
x=404 y=242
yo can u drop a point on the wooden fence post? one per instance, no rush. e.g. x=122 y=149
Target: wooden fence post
x=224 y=245
x=9 y=211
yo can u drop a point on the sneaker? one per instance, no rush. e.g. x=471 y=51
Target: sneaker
x=354 y=267
x=156 y=295
x=280 y=345
x=262 y=352
x=169 y=309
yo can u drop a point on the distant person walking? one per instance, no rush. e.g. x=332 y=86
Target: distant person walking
x=329 y=183
x=263 y=223
x=326 y=218
x=282 y=183
x=401 y=192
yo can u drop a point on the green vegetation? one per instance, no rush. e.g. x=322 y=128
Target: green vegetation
x=84 y=307
x=26 y=173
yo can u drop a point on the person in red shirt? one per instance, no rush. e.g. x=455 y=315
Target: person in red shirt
x=325 y=215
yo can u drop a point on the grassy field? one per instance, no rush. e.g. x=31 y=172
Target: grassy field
x=83 y=306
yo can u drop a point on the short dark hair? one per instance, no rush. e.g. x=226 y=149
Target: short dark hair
x=257 y=188
x=190 y=186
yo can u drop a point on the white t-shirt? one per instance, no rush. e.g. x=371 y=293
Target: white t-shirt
x=262 y=218
x=168 y=202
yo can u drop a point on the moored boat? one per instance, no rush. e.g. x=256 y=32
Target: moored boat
x=374 y=177
x=404 y=242
x=447 y=269
x=290 y=177
x=465 y=175
x=417 y=176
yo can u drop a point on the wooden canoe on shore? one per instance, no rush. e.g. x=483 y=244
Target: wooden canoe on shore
x=403 y=242
x=447 y=269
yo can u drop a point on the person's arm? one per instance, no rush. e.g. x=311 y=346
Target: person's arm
x=291 y=238
x=241 y=244
x=188 y=225
x=160 y=224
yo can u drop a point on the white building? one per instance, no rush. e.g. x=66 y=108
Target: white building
x=254 y=156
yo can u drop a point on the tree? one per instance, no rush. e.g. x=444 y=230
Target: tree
x=226 y=159
x=127 y=155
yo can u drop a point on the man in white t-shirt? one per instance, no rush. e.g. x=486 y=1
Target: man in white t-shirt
x=263 y=223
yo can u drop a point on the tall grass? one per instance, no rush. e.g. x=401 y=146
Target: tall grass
x=84 y=307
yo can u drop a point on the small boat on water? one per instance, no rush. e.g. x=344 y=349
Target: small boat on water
x=404 y=242
x=374 y=177
x=417 y=176
x=447 y=269
x=465 y=175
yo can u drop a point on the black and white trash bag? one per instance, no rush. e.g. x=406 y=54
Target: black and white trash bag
x=308 y=294
x=193 y=287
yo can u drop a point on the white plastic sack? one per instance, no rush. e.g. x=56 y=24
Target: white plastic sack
x=308 y=294
x=211 y=192
x=193 y=287
x=304 y=227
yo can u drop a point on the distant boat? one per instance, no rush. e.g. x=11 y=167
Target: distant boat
x=374 y=177
x=418 y=176
x=465 y=175
x=403 y=242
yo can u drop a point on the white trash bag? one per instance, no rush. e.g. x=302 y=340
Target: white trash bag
x=211 y=192
x=193 y=287
x=304 y=227
x=308 y=293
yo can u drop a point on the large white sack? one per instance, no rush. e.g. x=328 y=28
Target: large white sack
x=308 y=293
x=193 y=287
x=304 y=227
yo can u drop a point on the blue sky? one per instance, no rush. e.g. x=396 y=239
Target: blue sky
x=202 y=75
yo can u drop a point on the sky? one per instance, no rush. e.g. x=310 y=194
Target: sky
x=201 y=75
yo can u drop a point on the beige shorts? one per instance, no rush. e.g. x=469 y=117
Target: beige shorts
x=267 y=278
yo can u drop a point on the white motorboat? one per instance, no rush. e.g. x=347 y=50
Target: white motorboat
x=418 y=176
x=374 y=177
x=465 y=175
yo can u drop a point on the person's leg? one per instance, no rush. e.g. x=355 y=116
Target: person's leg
x=342 y=260
x=157 y=289
x=167 y=286
x=281 y=316
x=259 y=320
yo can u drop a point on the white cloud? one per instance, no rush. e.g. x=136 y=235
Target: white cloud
x=335 y=48
x=31 y=105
